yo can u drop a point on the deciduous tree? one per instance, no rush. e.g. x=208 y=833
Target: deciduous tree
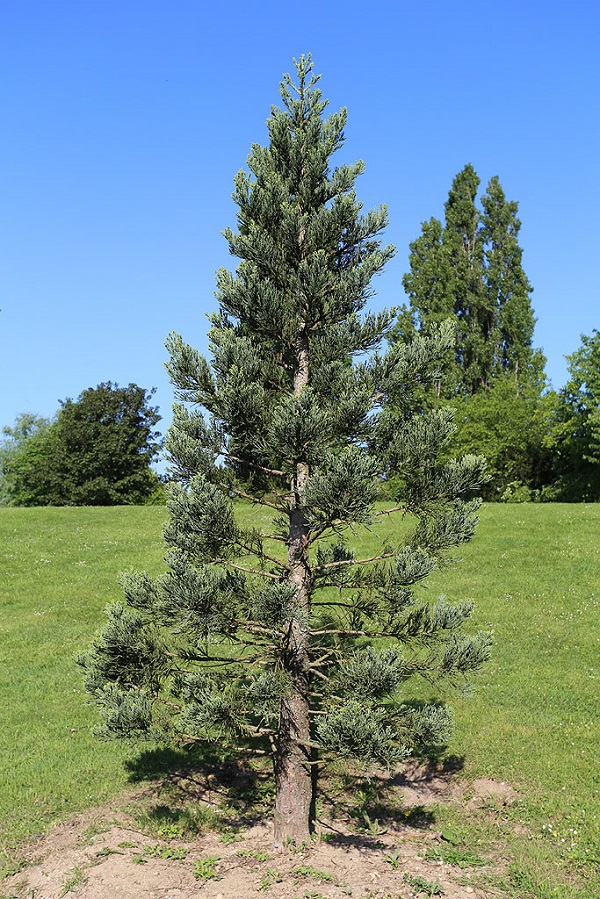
x=16 y=450
x=98 y=451
x=469 y=271
x=510 y=426
x=575 y=437
x=107 y=442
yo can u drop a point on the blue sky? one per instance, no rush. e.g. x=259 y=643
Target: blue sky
x=125 y=122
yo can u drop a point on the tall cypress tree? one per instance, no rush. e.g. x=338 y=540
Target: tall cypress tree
x=279 y=633
x=469 y=270
x=464 y=253
x=429 y=288
x=506 y=284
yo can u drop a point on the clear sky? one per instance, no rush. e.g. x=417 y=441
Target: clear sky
x=124 y=122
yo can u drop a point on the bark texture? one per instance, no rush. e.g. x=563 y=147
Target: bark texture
x=294 y=783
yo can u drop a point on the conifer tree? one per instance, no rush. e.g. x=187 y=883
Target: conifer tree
x=279 y=633
x=464 y=253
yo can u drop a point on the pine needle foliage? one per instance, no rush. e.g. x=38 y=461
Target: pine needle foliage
x=282 y=638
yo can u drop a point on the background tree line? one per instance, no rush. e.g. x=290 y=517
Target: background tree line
x=540 y=444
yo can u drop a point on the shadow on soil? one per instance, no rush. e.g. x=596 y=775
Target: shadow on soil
x=212 y=788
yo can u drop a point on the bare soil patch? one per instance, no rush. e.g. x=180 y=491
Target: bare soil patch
x=115 y=852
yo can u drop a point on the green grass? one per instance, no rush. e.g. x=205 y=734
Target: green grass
x=533 y=572
x=58 y=571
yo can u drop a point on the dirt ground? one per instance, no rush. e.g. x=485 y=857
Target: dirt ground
x=105 y=853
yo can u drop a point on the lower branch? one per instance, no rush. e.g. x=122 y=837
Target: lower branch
x=344 y=563
x=260 y=572
x=248 y=496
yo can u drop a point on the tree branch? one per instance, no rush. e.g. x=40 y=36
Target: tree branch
x=318 y=532
x=171 y=705
x=248 y=496
x=258 y=628
x=342 y=605
x=222 y=660
x=389 y=511
x=332 y=566
x=329 y=631
x=273 y=471
x=275 y=577
x=318 y=662
x=263 y=555
x=320 y=674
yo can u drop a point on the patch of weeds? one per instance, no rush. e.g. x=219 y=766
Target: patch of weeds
x=94 y=829
x=393 y=859
x=207 y=868
x=176 y=823
x=314 y=894
x=366 y=795
x=293 y=847
x=327 y=837
x=310 y=871
x=373 y=827
x=19 y=892
x=259 y=854
x=453 y=855
x=270 y=877
x=171 y=832
x=418 y=817
x=75 y=881
x=174 y=853
x=126 y=844
x=450 y=836
x=228 y=836
x=422 y=885
x=527 y=885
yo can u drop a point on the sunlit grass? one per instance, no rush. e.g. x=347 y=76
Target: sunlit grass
x=58 y=572
x=533 y=572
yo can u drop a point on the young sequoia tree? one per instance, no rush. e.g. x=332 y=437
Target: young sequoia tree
x=278 y=636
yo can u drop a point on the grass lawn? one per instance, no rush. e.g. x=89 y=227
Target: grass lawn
x=533 y=572
x=59 y=570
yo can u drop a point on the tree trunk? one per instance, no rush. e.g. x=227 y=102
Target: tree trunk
x=293 y=779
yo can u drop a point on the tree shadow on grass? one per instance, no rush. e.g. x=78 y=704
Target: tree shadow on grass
x=161 y=761
x=205 y=788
